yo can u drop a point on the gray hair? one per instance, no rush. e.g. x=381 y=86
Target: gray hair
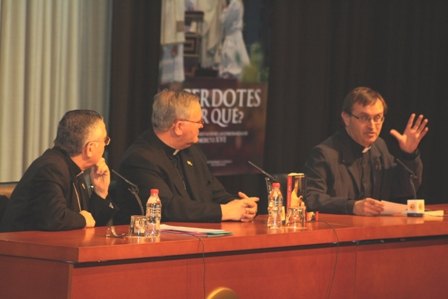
x=74 y=129
x=170 y=105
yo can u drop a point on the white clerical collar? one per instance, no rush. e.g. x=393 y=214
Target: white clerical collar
x=366 y=149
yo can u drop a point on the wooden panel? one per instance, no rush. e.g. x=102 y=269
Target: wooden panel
x=31 y=278
x=157 y=279
x=415 y=269
x=309 y=273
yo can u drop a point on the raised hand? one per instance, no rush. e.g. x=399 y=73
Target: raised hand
x=414 y=132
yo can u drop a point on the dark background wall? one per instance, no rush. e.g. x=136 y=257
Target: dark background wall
x=318 y=51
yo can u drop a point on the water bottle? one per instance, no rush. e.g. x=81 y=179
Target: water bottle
x=153 y=213
x=275 y=207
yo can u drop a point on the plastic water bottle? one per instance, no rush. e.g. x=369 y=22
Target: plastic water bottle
x=153 y=213
x=275 y=207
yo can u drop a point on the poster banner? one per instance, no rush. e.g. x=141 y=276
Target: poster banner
x=215 y=49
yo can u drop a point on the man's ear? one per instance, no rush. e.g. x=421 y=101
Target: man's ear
x=87 y=150
x=177 y=128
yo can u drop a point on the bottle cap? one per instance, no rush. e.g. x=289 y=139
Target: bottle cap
x=154 y=191
x=276 y=185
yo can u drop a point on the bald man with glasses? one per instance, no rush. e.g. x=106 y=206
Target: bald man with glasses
x=353 y=170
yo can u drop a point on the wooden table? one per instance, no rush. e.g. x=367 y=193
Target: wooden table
x=340 y=256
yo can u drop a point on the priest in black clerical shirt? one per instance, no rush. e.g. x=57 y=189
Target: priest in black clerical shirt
x=167 y=157
x=353 y=170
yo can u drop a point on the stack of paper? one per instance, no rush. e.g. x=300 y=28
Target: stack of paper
x=436 y=213
x=392 y=208
x=202 y=232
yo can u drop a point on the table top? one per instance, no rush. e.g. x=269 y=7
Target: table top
x=92 y=245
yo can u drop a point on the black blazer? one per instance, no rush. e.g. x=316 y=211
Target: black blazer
x=45 y=198
x=148 y=164
x=334 y=183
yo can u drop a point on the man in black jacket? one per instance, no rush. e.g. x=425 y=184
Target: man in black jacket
x=167 y=157
x=53 y=193
x=353 y=170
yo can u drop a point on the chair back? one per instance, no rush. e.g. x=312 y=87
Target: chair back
x=6 y=190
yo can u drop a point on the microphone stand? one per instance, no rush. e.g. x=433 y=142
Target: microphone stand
x=271 y=177
x=268 y=178
x=133 y=189
x=412 y=176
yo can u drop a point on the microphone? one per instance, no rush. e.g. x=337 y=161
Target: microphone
x=271 y=177
x=133 y=188
x=411 y=173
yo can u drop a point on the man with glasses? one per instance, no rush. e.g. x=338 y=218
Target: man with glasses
x=353 y=170
x=168 y=158
x=53 y=194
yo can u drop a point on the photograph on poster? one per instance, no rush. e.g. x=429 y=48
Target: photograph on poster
x=217 y=49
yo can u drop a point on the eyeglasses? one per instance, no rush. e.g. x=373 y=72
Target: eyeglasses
x=364 y=118
x=106 y=141
x=199 y=122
